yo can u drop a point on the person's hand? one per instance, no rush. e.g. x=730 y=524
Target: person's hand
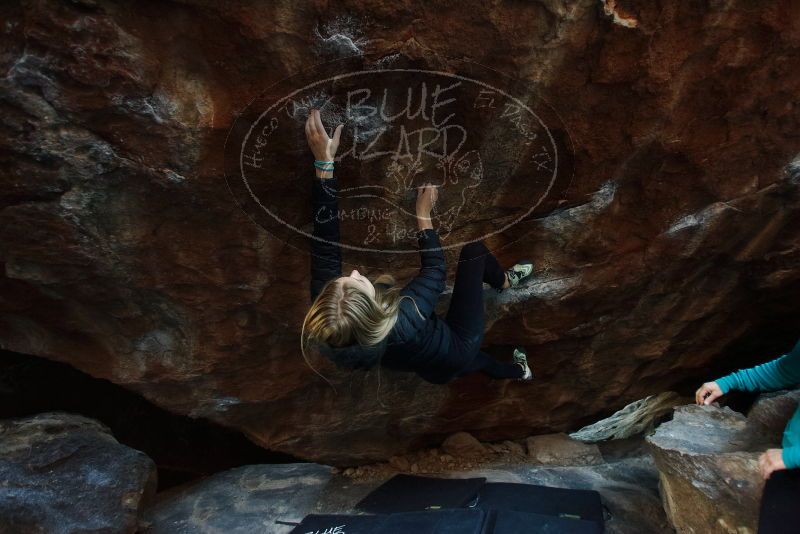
x=427 y=195
x=708 y=393
x=771 y=461
x=323 y=147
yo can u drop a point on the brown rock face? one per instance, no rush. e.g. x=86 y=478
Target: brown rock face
x=664 y=231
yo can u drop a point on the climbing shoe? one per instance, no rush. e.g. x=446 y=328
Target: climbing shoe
x=519 y=272
x=521 y=359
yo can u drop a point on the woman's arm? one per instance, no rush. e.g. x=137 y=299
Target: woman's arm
x=426 y=287
x=780 y=373
x=777 y=374
x=326 y=254
x=791 y=457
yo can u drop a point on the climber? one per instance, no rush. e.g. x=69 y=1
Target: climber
x=359 y=324
x=780 y=467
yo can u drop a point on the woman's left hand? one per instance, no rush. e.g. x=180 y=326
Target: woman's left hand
x=771 y=461
x=323 y=147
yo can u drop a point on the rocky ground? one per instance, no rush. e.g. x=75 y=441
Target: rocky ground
x=628 y=488
x=625 y=476
x=696 y=472
x=615 y=437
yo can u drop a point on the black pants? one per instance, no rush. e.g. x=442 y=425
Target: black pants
x=465 y=317
x=780 y=503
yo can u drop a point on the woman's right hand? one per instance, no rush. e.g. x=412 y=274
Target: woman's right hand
x=708 y=393
x=322 y=146
x=427 y=195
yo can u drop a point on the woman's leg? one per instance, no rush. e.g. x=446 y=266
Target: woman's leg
x=493 y=368
x=779 y=509
x=465 y=317
x=475 y=266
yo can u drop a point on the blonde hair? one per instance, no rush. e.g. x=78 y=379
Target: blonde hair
x=343 y=315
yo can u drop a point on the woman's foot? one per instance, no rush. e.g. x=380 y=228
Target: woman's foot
x=521 y=359
x=517 y=273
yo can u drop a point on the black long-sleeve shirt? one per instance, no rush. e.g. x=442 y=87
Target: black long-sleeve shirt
x=326 y=260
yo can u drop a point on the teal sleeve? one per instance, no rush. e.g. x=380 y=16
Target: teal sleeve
x=777 y=374
x=791 y=457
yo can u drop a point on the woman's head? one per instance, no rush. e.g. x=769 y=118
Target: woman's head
x=349 y=310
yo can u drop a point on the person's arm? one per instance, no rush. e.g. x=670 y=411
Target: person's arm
x=426 y=287
x=780 y=373
x=791 y=457
x=326 y=253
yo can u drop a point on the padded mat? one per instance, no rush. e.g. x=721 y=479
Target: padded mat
x=526 y=523
x=455 y=521
x=558 y=502
x=408 y=493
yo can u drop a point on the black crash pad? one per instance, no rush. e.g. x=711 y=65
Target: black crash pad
x=408 y=493
x=557 y=502
x=454 y=521
x=527 y=523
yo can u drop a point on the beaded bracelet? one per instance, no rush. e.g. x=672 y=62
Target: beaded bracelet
x=323 y=165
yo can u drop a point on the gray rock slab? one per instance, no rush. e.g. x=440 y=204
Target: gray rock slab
x=248 y=499
x=66 y=474
x=707 y=459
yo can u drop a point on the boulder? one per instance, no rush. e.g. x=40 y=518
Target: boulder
x=463 y=445
x=560 y=449
x=252 y=498
x=771 y=411
x=652 y=183
x=514 y=448
x=66 y=473
x=399 y=462
x=707 y=458
x=633 y=419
